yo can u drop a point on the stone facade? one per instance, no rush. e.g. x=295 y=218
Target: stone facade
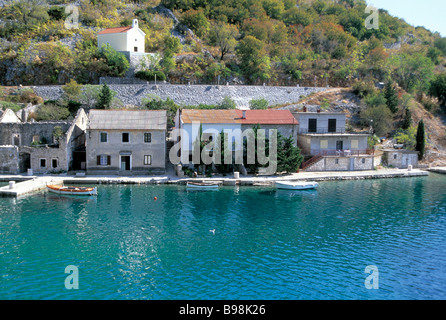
x=126 y=142
x=359 y=163
x=37 y=145
x=400 y=158
x=9 y=159
x=136 y=149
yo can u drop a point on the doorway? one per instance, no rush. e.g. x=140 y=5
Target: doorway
x=126 y=163
x=339 y=145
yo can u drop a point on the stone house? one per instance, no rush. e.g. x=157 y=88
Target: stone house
x=399 y=158
x=44 y=147
x=126 y=142
x=328 y=146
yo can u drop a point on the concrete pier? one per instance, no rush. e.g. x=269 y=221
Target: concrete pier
x=35 y=184
x=28 y=186
x=438 y=170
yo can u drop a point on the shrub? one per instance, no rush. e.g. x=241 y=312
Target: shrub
x=150 y=75
x=9 y=105
x=227 y=103
x=51 y=112
x=258 y=104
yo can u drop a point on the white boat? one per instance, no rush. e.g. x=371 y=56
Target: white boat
x=298 y=185
x=202 y=185
x=75 y=191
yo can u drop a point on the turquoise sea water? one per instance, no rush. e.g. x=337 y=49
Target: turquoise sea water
x=267 y=244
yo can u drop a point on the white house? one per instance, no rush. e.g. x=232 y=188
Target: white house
x=124 y=39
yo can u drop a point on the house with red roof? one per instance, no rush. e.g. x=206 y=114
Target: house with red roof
x=124 y=39
x=232 y=122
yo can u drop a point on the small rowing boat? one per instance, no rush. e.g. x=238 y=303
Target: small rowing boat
x=202 y=185
x=76 y=191
x=301 y=185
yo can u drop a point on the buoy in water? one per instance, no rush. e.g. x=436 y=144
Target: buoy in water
x=155 y=198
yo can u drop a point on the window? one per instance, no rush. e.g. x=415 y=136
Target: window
x=104 y=136
x=324 y=144
x=125 y=137
x=54 y=163
x=147 y=137
x=355 y=144
x=16 y=139
x=312 y=125
x=395 y=156
x=336 y=161
x=135 y=49
x=103 y=160
x=363 y=160
x=43 y=163
x=331 y=125
x=147 y=160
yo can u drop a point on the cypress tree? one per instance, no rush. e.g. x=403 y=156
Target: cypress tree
x=407 y=121
x=391 y=97
x=421 y=140
x=105 y=97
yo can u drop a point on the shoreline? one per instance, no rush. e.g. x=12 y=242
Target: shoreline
x=26 y=185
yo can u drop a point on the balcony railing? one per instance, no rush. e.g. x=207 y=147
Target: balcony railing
x=322 y=130
x=344 y=153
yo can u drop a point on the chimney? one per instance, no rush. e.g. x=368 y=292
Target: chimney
x=135 y=23
x=305 y=109
x=244 y=114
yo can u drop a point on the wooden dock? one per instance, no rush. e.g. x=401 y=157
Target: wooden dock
x=29 y=186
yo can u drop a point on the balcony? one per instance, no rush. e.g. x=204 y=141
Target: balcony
x=320 y=130
x=344 y=153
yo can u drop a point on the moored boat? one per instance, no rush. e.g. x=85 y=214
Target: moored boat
x=203 y=185
x=298 y=185
x=76 y=191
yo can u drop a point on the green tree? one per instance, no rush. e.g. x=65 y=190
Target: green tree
x=116 y=61
x=391 y=97
x=407 y=120
x=227 y=103
x=380 y=118
x=197 y=21
x=412 y=70
x=255 y=62
x=72 y=90
x=421 y=140
x=289 y=157
x=258 y=104
x=223 y=35
x=105 y=97
x=438 y=89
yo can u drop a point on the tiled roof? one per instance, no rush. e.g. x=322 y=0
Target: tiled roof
x=115 y=30
x=209 y=116
x=267 y=117
x=235 y=116
x=127 y=119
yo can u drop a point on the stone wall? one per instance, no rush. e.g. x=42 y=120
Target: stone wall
x=9 y=159
x=28 y=130
x=196 y=94
x=360 y=163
